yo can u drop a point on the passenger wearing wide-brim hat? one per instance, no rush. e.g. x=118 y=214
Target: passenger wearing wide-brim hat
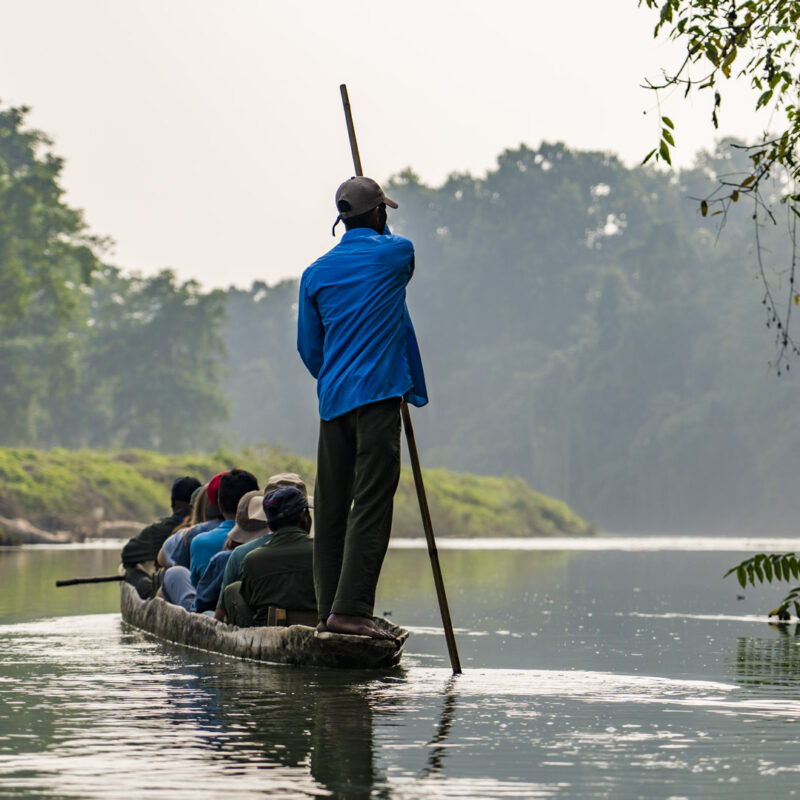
x=251 y=521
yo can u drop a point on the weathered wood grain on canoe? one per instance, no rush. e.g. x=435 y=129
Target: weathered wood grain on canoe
x=296 y=644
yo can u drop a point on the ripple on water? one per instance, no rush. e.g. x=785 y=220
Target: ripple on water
x=92 y=709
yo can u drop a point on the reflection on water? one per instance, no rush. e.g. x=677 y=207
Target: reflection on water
x=590 y=675
x=770 y=662
x=438 y=744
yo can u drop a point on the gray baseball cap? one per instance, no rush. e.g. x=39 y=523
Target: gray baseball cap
x=358 y=195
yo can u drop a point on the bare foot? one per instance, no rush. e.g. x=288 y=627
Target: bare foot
x=356 y=626
x=321 y=627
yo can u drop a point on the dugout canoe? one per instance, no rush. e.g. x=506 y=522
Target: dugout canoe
x=298 y=645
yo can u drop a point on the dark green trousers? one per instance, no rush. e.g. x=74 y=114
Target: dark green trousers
x=237 y=612
x=358 y=467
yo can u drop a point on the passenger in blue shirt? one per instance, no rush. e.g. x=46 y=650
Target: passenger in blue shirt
x=207 y=516
x=355 y=336
x=232 y=486
x=177 y=587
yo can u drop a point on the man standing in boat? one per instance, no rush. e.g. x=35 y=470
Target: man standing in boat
x=355 y=336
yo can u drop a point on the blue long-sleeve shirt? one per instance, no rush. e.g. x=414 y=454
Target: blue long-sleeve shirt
x=205 y=598
x=354 y=332
x=205 y=545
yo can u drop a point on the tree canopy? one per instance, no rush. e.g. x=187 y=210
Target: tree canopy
x=46 y=259
x=88 y=355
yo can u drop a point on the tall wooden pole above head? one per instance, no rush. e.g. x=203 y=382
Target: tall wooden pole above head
x=416 y=469
x=351 y=130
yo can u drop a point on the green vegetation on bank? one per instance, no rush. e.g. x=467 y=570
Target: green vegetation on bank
x=75 y=490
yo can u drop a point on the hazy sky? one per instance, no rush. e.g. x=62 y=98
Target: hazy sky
x=208 y=137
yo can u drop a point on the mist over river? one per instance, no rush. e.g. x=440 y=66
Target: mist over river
x=605 y=667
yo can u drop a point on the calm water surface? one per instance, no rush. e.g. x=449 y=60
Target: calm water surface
x=604 y=669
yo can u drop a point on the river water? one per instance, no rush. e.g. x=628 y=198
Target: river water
x=600 y=668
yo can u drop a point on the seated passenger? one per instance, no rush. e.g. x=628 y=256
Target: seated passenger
x=177 y=587
x=208 y=519
x=140 y=552
x=280 y=572
x=198 y=502
x=258 y=522
x=209 y=584
x=233 y=486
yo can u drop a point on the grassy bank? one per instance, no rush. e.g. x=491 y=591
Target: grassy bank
x=77 y=490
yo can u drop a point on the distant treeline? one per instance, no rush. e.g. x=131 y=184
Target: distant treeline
x=580 y=325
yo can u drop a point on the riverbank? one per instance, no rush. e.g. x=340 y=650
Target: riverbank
x=74 y=495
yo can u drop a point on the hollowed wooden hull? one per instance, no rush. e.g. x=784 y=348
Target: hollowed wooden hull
x=297 y=644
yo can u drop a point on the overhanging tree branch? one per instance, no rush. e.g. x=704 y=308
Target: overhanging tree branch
x=764 y=36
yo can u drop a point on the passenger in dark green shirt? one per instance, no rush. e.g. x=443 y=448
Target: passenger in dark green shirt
x=280 y=572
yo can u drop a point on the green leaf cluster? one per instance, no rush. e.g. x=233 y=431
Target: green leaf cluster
x=762 y=37
x=764 y=567
x=662 y=152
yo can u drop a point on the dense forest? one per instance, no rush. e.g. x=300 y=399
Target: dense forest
x=582 y=326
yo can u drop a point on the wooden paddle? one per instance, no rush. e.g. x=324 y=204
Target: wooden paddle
x=416 y=469
x=103 y=579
